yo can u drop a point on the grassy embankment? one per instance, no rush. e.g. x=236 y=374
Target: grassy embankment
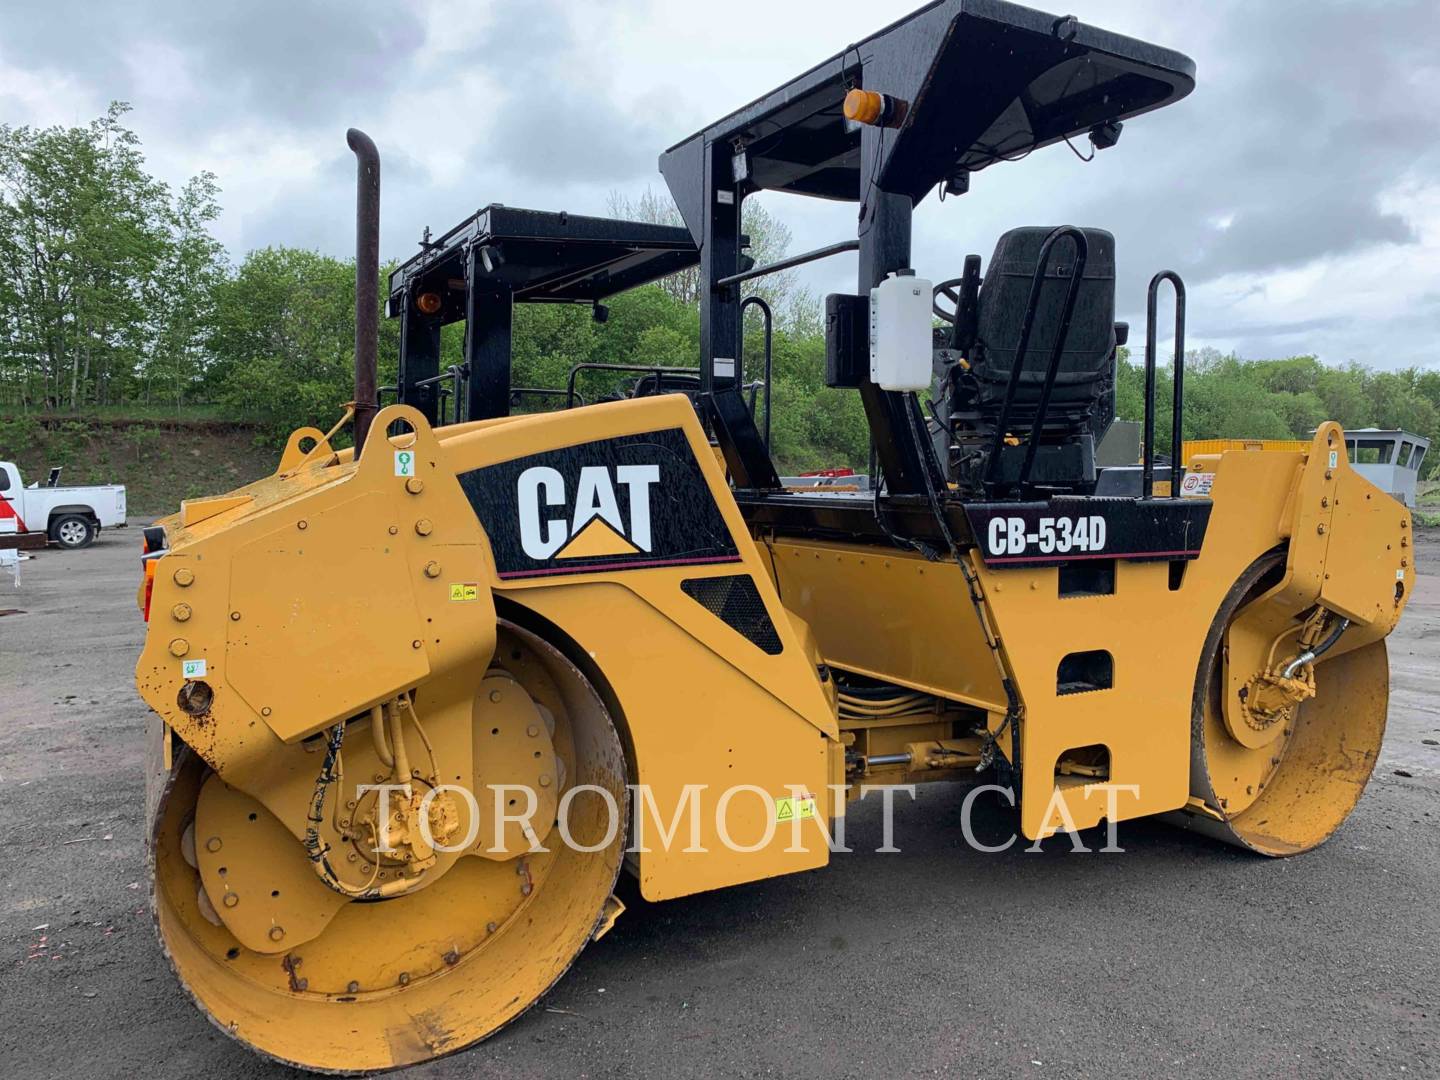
x=160 y=457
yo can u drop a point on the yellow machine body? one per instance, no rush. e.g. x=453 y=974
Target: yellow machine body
x=365 y=596
x=1194 y=448
x=902 y=618
x=416 y=707
x=368 y=592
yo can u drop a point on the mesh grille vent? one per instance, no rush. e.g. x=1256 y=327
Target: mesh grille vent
x=735 y=601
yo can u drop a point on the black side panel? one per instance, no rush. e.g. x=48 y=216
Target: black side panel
x=736 y=602
x=1031 y=534
x=628 y=503
x=847 y=340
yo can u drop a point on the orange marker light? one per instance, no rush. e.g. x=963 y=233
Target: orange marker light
x=864 y=106
x=428 y=302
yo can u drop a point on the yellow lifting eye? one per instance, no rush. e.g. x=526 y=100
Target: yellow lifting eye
x=428 y=302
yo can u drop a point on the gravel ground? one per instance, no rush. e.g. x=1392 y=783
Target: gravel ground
x=1181 y=957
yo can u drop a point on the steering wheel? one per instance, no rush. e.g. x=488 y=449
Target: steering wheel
x=950 y=290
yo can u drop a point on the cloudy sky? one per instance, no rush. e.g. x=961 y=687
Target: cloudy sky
x=1297 y=190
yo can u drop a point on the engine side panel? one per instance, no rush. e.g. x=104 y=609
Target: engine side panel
x=615 y=524
x=897 y=616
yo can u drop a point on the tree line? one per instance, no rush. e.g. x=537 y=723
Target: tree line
x=114 y=294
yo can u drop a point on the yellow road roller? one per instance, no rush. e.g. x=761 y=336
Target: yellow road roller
x=418 y=702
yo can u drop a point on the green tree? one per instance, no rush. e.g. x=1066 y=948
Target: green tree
x=284 y=338
x=82 y=235
x=183 y=294
x=769 y=240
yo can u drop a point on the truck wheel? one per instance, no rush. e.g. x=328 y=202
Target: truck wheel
x=73 y=531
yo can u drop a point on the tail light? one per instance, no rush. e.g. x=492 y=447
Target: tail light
x=152 y=550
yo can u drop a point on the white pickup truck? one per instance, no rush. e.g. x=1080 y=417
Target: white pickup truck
x=68 y=516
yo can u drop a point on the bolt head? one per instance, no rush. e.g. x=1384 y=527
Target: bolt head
x=432 y=569
x=265 y=711
x=276 y=933
x=231 y=899
x=213 y=844
x=179 y=647
x=181 y=612
x=404 y=979
x=394 y=530
x=302 y=524
x=234 y=616
x=414 y=485
x=423 y=527
x=184 y=578
x=417 y=643
x=352 y=987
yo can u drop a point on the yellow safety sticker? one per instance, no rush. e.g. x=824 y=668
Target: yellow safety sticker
x=464 y=590
x=790 y=807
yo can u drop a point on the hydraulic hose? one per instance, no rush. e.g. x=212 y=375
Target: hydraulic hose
x=377 y=733
x=1309 y=656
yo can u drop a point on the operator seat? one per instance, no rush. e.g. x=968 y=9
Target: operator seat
x=1087 y=364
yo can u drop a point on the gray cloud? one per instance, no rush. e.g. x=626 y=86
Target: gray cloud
x=1260 y=331
x=1306 y=113
x=286 y=64
x=1303 y=116
x=559 y=128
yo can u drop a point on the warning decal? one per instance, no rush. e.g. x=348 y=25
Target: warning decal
x=791 y=807
x=1197 y=484
x=465 y=590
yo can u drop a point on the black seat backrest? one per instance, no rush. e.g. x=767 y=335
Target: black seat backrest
x=1086 y=363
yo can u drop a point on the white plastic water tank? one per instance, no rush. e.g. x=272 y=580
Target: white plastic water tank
x=900 y=337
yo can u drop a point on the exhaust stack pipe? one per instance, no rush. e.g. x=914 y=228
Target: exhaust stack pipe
x=367 y=277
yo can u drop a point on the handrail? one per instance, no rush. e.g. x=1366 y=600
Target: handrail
x=1177 y=467
x=1082 y=253
x=769 y=355
x=786 y=264
x=516 y=392
x=453 y=372
x=657 y=369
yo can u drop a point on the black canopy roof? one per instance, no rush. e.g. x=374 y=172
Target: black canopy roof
x=543 y=257
x=983 y=80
